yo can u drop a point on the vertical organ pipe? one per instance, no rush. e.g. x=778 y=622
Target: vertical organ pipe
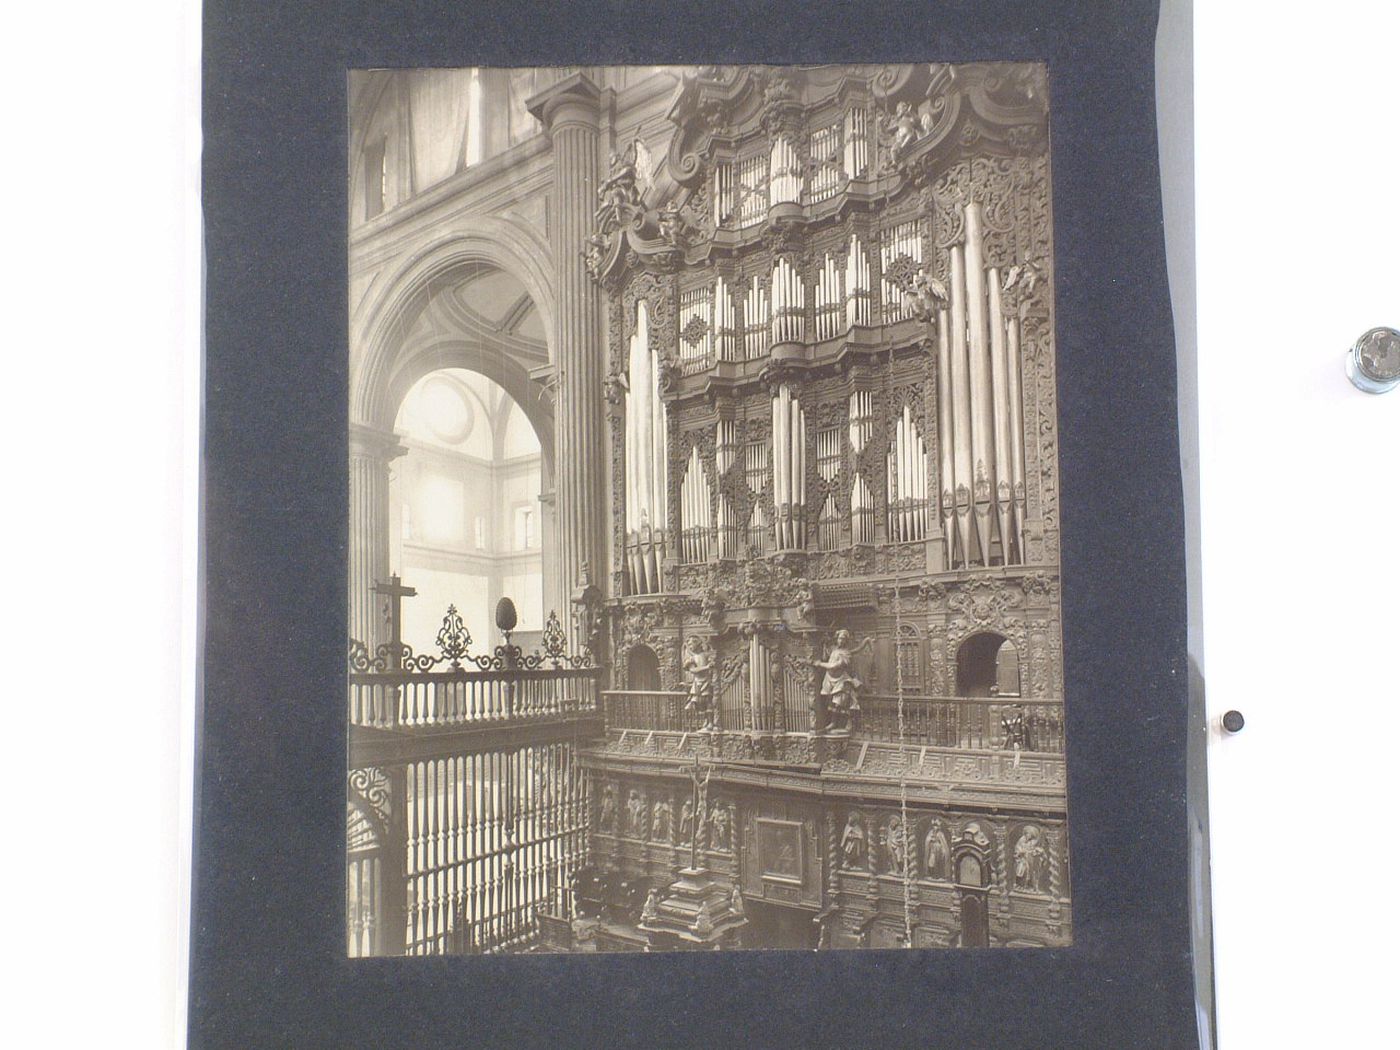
x=961 y=407
x=1001 y=419
x=980 y=373
x=1018 y=451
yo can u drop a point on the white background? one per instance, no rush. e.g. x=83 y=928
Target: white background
x=1298 y=222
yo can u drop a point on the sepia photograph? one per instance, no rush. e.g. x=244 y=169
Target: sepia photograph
x=704 y=529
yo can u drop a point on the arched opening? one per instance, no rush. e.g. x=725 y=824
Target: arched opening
x=643 y=669
x=988 y=665
x=465 y=513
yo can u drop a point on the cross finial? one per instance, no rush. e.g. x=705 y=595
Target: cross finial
x=396 y=592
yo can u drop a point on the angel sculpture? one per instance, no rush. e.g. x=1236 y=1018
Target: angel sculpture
x=925 y=296
x=840 y=686
x=618 y=198
x=700 y=665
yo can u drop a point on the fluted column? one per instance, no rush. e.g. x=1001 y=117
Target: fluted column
x=569 y=111
x=371 y=452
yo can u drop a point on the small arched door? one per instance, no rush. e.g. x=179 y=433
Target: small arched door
x=643 y=669
x=988 y=665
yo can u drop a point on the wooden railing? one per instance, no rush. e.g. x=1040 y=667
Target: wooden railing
x=964 y=722
x=647 y=710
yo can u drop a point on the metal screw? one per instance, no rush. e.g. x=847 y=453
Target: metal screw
x=1373 y=365
x=1233 y=721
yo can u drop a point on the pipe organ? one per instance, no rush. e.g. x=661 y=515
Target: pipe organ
x=833 y=430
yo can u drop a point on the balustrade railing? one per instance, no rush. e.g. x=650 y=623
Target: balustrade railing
x=394 y=687
x=650 y=710
x=966 y=722
x=403 y=699
x=951 y=722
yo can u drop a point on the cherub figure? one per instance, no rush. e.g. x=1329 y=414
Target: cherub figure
x=671 y=223
x=594 y=252
x=903 y=128
x=840 y=686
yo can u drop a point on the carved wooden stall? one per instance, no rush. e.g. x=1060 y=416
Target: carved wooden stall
x=834 y=544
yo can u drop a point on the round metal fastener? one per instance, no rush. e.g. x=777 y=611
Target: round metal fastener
x=1374 y=362
x=1233 y=721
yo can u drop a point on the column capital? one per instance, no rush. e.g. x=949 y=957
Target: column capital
x=572 y=101
x=372 y=442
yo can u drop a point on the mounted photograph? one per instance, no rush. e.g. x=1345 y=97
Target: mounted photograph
x=704 y=528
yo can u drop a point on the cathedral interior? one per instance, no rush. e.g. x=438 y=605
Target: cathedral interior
x=704 y=576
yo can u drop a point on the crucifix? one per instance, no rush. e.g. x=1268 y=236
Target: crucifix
x=699 y=790
x=396 y=592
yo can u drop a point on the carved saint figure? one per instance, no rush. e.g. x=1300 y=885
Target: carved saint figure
x=652 y=903
x=661 y=820
x=840 y=686
x=936 y=852
x=636 y=814
x=700 y=666
x=896 y=846
x=719 y=828
x=1031 y=861
x=607 y=810
x=853 y=842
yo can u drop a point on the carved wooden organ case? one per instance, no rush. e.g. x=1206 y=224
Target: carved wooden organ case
x=830 y=384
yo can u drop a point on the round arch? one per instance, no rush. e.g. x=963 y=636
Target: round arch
x=419 y=361
x=379 y=373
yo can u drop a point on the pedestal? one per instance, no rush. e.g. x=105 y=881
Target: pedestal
x=698 y=910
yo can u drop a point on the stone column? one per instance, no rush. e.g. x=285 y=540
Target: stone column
x=371 y=452
x=569 y=111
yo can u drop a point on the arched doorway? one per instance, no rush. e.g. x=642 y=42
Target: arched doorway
x=988 y=665
x=465 y=515
x=451 y=367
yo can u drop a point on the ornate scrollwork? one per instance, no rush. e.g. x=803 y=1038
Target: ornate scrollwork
x=454 y=638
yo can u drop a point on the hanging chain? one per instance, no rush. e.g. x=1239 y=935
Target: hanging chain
x=899 y=709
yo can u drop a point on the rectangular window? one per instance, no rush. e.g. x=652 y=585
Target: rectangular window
x=524 y=527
